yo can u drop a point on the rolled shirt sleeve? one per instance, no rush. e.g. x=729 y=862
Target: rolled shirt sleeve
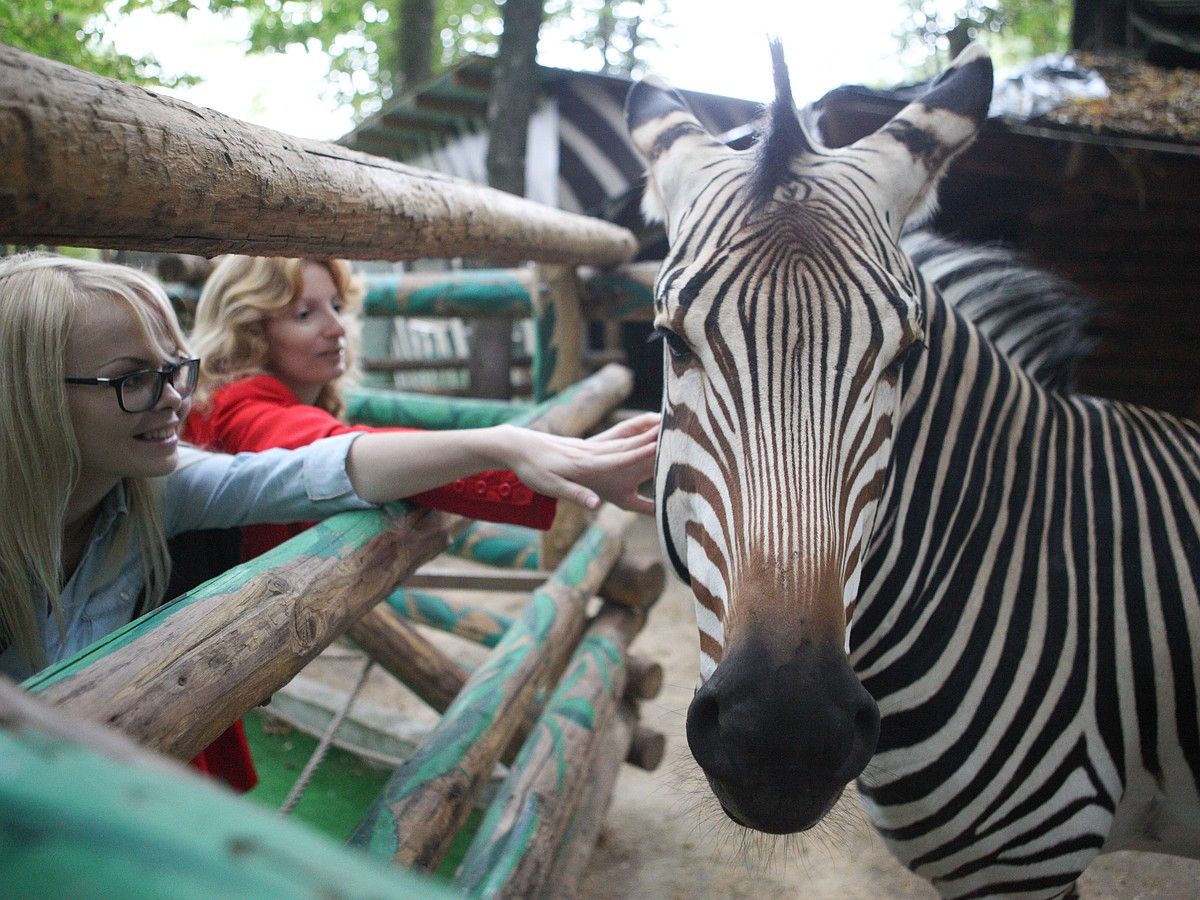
x=216 y=490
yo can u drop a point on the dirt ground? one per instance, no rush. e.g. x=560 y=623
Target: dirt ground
x=667 y=838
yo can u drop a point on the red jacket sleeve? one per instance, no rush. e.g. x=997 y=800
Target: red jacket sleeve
x=260 y=413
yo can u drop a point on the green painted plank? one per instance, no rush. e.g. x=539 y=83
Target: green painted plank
x=500 y=545
x=80 y=825
x=466 y=294
x=398 y=409
x=327 y=539
x=470 y=622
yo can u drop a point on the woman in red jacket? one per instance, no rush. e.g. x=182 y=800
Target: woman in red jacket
x=272 y=336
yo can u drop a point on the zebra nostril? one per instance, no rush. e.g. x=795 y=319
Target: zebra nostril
x=704 y=732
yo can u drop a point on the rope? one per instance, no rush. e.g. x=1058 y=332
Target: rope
x=310 y=768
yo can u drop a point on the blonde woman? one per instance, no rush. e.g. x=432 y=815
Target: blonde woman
x=95 y=383
x=274 y=338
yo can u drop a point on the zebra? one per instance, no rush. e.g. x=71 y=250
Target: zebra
x=912 y=563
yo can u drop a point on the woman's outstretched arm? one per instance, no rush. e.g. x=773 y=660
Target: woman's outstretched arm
x=607 y=467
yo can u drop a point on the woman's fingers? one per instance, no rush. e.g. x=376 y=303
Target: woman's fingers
x=646 y=422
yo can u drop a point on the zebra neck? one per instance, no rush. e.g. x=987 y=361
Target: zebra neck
x=966 y=414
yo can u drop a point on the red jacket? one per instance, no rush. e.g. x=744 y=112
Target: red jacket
x=259 y=412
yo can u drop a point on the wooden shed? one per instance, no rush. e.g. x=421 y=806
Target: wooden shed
x=1105 y=193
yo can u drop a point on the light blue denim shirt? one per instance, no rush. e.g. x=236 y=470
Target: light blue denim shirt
x=207 y=490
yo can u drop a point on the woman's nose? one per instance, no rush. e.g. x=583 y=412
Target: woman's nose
x=170 y=399
x=334 y=326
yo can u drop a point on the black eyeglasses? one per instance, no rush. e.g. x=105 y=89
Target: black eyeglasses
x=141 y=390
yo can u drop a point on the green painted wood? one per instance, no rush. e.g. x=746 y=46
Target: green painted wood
x=175 y=678
x=398 y=409
x=480 y=625
x=74 y=823
x=500 y=545
x=467 y=294
x=615 y=295
x=327 y=539
x=513 y=850
x=427 y=799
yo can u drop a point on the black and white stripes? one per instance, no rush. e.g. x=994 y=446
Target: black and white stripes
x=908 y=543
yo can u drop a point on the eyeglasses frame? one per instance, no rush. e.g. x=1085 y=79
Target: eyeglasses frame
x=165 y=373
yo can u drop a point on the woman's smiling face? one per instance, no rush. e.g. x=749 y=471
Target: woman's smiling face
x=307 y=338
x=107 y=340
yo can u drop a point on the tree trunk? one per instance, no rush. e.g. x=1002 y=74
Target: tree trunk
x=514 y=89
x=414 y=45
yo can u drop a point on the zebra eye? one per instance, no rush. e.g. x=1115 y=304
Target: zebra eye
x=676 y=346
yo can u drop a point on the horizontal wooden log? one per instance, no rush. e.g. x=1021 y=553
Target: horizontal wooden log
x=86 y=812
x=427 y=800
x=469 y=622
x=400 y=409
x=177 y=677
x=513 y=849
x=408 y=656
x=497 y=544
x=586 y=824
x=463 y=580
x=636 y=581
x=647 y=749
x=408 y=364
x=91 y=162
x=583 y=406
x=645 y=678
x=465 y=293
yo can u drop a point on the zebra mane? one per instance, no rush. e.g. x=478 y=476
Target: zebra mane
x=1038 y=320
x=782 y=135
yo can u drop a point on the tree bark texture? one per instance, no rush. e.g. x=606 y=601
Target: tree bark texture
x=176 y=678
x=88 y=161
x=414 y=45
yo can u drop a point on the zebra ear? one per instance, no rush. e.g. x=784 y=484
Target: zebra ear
x=675 y=146
x=908 y=155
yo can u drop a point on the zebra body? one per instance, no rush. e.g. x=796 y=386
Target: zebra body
x=912 y=563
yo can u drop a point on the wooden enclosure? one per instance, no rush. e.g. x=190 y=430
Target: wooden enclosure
x=559 y=685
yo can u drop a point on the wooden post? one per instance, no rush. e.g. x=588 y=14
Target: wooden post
x=635 y=581
x=161 y=174
x=558 y=320
x=471 y=623
x=577 y=845
x=515 y=845
x=177 y=677
x=645 y=678
x=85 y=811
x=409 y=656
x=427 y=800
x=583 y=406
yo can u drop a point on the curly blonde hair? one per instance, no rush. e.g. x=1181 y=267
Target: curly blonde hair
x=239 y=297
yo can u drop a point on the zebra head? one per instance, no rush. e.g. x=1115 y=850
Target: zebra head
x=787 y=310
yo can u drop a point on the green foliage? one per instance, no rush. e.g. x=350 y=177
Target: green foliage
x=617 y=32
x=72 y=32
x=357 y=35
x=934 y=32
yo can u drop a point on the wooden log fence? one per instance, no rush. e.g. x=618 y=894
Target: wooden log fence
x=165 y=175
x=86 y=812
x=514 y=848
x=427 y=800
x=91 y=162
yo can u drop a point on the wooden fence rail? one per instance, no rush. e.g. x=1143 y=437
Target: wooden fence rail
x=92 y=162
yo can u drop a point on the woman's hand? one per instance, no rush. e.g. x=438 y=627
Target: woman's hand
x=608 y=467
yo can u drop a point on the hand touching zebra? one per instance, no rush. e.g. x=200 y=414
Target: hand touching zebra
x=913 y=563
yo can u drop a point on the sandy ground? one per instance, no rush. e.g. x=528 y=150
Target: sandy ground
x=666 y=837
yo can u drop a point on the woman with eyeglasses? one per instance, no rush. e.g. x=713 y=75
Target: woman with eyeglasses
x=95 y=383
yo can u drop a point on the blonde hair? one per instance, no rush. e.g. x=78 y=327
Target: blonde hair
x=239 y=297
x=39 y=297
